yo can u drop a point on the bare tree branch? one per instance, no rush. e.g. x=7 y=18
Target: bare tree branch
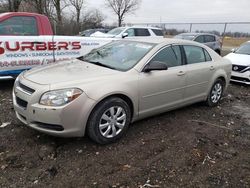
x=59 y=5
x=13 y=5
x=78 y=5
x=122 y=7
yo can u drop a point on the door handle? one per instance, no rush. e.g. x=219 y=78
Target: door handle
x=181 y=73
x=212 y=68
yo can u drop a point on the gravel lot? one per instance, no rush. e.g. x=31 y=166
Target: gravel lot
x=196 y=146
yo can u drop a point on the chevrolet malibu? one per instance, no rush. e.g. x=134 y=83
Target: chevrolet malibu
x=101 y=93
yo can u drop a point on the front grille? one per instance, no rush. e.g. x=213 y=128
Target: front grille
x=240 y=79
x=239 y=68
x=26 y=88
x=22 y=103
x=49 y=126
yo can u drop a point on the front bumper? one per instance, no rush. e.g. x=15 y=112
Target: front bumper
x=66 y=121
x=241 y=77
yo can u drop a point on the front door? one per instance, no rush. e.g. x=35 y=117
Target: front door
x=162 y=90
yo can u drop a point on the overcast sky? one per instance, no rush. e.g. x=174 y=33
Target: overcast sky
x=183 y=11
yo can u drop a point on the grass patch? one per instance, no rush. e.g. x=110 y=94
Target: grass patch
x=230 y=41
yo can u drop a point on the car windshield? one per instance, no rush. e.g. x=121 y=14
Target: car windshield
x=244 y=49
x=118 y=55
x=116 y=31
x=185 y=37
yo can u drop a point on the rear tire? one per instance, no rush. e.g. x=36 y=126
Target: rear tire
x=109 y=121
x=215 y=93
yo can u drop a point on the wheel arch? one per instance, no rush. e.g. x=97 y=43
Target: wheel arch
x=219 y=75
x=223 y=79
x=124 y=97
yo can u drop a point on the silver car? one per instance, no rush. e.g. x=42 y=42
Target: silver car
x=210 y=40
x=104 y=91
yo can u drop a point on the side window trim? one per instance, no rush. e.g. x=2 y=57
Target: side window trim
x=204 y=51
x=204 y=54
x=183 y=55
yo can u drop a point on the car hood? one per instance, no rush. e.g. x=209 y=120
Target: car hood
x=68 y=71
x=239 y=59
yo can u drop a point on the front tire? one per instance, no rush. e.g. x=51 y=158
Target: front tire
x=109 y=121
x=215 y=93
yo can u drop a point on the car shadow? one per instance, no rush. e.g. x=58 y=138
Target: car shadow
x=6 y=84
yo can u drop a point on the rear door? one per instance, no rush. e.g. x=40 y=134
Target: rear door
x=200 y=69
x=210 y=41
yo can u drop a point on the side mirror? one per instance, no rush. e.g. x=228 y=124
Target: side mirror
x=155 y=65
x=233 y=50
x=124 y=35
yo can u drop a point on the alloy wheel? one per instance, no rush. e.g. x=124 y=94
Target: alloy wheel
x=112 y=121
x=216 y=92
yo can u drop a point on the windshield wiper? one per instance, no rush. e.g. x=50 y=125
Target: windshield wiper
x=99 y=53
x=100 y=64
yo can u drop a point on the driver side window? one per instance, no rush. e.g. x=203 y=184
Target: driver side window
x=131 y=32
x=200 y=39
x=171 y=56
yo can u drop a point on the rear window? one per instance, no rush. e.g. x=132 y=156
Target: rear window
x=157 y=32
x=19 y=25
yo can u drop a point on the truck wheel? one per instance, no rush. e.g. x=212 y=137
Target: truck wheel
x=215 y=93
x=109 y=121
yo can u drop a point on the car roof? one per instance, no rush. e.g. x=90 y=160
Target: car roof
x=159 y=40
x=196 y=34
x=141 y=27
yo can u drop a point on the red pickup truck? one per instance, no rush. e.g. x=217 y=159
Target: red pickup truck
x=27 y=40
x=25 y=24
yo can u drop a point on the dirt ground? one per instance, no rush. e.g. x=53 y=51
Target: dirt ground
x=196 y=146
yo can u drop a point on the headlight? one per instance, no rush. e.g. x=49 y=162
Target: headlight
x=60 y=97
x=17 y=79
